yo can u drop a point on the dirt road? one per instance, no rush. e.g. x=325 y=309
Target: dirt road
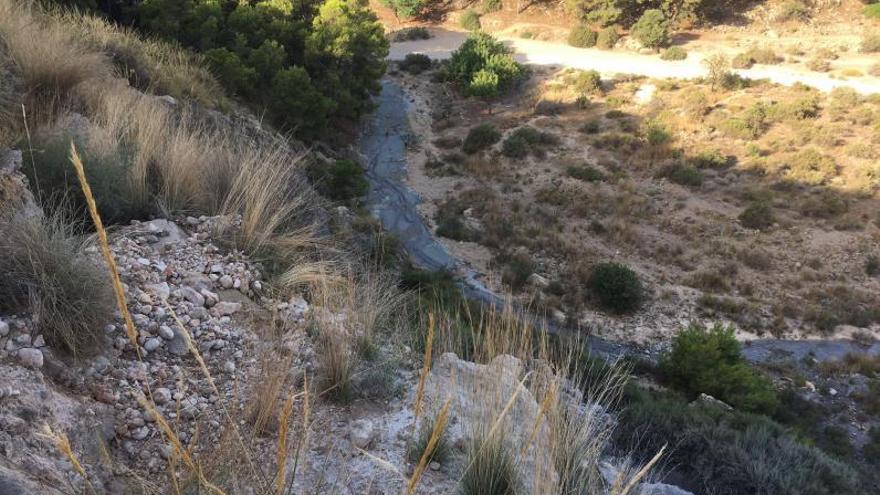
x=444 y=42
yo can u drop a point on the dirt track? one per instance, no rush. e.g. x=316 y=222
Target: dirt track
x=444 y=42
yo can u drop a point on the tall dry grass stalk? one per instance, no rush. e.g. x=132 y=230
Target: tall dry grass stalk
x=62 y=443
x=436 y=434
x=426 y=368
x=104 y=244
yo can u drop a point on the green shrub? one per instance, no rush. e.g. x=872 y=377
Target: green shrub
x=870 y=43
x=585 y=81
x=582 y=37
x=872 y=10
x=480 y=138
x=525 y=140
x=470 y=20
x=811 y=167
x=674 y=53
x=419 y=445
x=742 y=61
x=340 y=180
x=415 y=63
x=585 y=173
x=607 y=38
x=491 y=468
x=616 y=287
x=711 y=158
x=491 y=6
x=652 y=29
x=793 y=10
x=683 y=174
x=825 y=204
x=591 y=127
x=48 y=272
x=308 y=66
x=751 y=124
x=483 y=66
x=758 y=215
x=108 y=177
x=656 y=134
x=710 y=362
x=872 y=265
x=412 y=34
x=405 y=8
x=517 y=268
x=729 y=453
x=753 y=56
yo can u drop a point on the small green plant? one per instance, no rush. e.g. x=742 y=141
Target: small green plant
x=682 y=174
x=525 y=140
x=674 y=53
x=412 y=34
x=480 y=138
x=483 y=66
x=710 y=158
x=793 y=10
x=652 y=29
x=870 y=43
x=872 y=265
x=582 y=36
x=872 y=10
x=415 y=63
x=710 y=361
x=340 y=180
x=586 y=173
x=470 y=20
x=607 y=38
x=491 y=6
x=491 y=468
x=419 y=445
x=758 y=215
x=616 y=287
x=811 y=167
x=585 y=81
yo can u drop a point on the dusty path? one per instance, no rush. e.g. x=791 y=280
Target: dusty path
x=535 y=52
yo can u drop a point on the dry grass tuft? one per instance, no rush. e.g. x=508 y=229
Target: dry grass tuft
x=45 y=266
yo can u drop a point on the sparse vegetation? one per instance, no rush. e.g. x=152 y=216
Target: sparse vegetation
x=607 y=38
x=491 y=468
x=340 y=180
x=480 y=138
x=527 y=140
x=616 y=287
x=758 y=215
x=870 y=43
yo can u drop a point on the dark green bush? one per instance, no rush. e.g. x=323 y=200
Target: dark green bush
x=652 y=29
x=758 y=215
x=872 y=265
x=729 y=453
x=470 y=20
x=582 y=36
x=415 y=63
x=525 y=140
x=616 y=287
x=412 y=34
x=405 y=8
x=607 y=38
x=709 y=361
x=711 y=158
x=108 y=177
x=585 y=81
x=683 y=174
x=674 y=53
x=307 y=65
x=585 y=173
x=340 y=180
x=480 y=138
x=483 y=66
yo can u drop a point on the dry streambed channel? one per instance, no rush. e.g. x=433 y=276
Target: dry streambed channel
x=383 y=145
